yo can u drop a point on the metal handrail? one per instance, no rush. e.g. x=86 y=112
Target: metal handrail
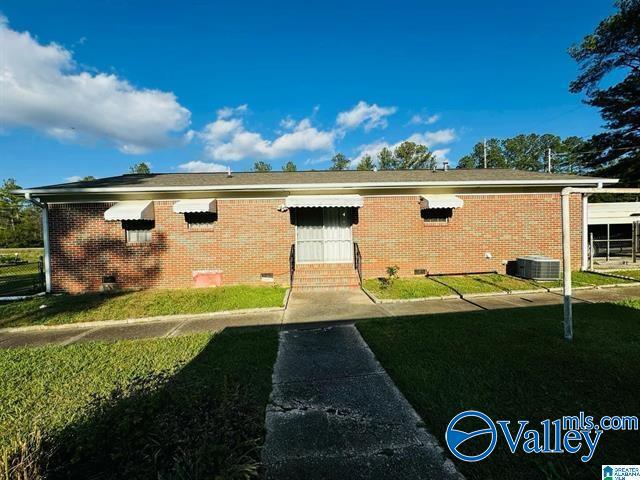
x=292 y=263
x=357 y=261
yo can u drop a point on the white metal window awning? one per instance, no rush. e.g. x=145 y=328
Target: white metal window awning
x=302 y=201
x=138 y=210
x=196 y=205
x=440 y=201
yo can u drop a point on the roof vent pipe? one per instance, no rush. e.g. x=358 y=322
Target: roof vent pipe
x=228 y=171
x=445 y=165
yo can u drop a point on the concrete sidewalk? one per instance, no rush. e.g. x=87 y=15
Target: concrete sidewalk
x=345 y=305
x=335 y=413
x=143 y=329
x=305 y=307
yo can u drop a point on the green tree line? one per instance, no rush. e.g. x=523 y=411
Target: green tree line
x=20 y=224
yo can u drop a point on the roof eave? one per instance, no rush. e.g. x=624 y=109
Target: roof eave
x=322 y=186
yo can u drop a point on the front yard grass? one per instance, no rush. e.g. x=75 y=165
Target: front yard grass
x=404 y=288
x=587 y=279
x=185 y=407
x=441 y=285
x=514 y=364
x=60 y=309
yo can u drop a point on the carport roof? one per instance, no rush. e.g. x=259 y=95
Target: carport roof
x=157 y=182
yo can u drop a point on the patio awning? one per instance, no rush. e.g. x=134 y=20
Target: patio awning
x=440 y=201
x=138 y=210
x=196 y=205
x=302 y=201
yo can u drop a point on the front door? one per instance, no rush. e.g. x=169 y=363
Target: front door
x=323 y=235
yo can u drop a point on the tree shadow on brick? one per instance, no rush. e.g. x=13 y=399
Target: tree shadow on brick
x=85 y=248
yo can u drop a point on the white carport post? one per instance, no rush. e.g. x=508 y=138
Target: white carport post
x=566 y=264
x=585 y=231
x=566 y=247
x=44 y=217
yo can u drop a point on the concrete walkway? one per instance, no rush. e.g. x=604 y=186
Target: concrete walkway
x=304 y=307
x=334 y=413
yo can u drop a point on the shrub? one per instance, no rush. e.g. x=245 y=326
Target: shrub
x=392 y=275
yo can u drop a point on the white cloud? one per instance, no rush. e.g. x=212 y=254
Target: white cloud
x=438 y=137
x=227 y=139
x=424 y=119
x=43 y=88
x=288 y=123
x=195 y=166
x=442 y=154
x=429 y=139
x=73 y=178
x=227 y=112
x=371 y=116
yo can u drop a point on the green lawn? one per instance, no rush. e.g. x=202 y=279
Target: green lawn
x=29 y=254
x=21 y=278
x=514 y=364
x=587 y=279
x=117 y=306
x=466 y=284
x=438 y=286
x=185 y=407
x=506 y=283
x=627 y=273
x=407 y=288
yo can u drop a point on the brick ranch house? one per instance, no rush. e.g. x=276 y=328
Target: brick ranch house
x=182 y=230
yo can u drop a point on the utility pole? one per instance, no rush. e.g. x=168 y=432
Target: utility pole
x=549 y=160
x=484 y=151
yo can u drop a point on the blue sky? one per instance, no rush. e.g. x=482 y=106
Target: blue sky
x=89 y=88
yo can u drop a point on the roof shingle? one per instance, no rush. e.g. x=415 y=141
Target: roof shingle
x=346 y=177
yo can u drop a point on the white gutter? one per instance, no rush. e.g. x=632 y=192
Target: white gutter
x=320 y=186
x=44 y=217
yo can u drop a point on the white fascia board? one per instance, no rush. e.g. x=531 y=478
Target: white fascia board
x=325 y=186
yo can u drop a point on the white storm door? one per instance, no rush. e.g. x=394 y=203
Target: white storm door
x=310 y=237
x=324 y=235
x=337 y=235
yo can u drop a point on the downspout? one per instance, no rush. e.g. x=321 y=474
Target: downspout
x=45 y=238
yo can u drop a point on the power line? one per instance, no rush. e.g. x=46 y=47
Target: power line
x=598 y=151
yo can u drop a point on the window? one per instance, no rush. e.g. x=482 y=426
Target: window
x=138 y=231
x=436 y=215
x=200 y=219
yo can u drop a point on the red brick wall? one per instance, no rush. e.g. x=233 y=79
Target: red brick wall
x=252 y=237
x=390 y=231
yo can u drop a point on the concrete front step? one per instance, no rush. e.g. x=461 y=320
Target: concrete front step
x=307 y=288
x=325 y=276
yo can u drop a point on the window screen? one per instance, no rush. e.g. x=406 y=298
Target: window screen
x=138 y=231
